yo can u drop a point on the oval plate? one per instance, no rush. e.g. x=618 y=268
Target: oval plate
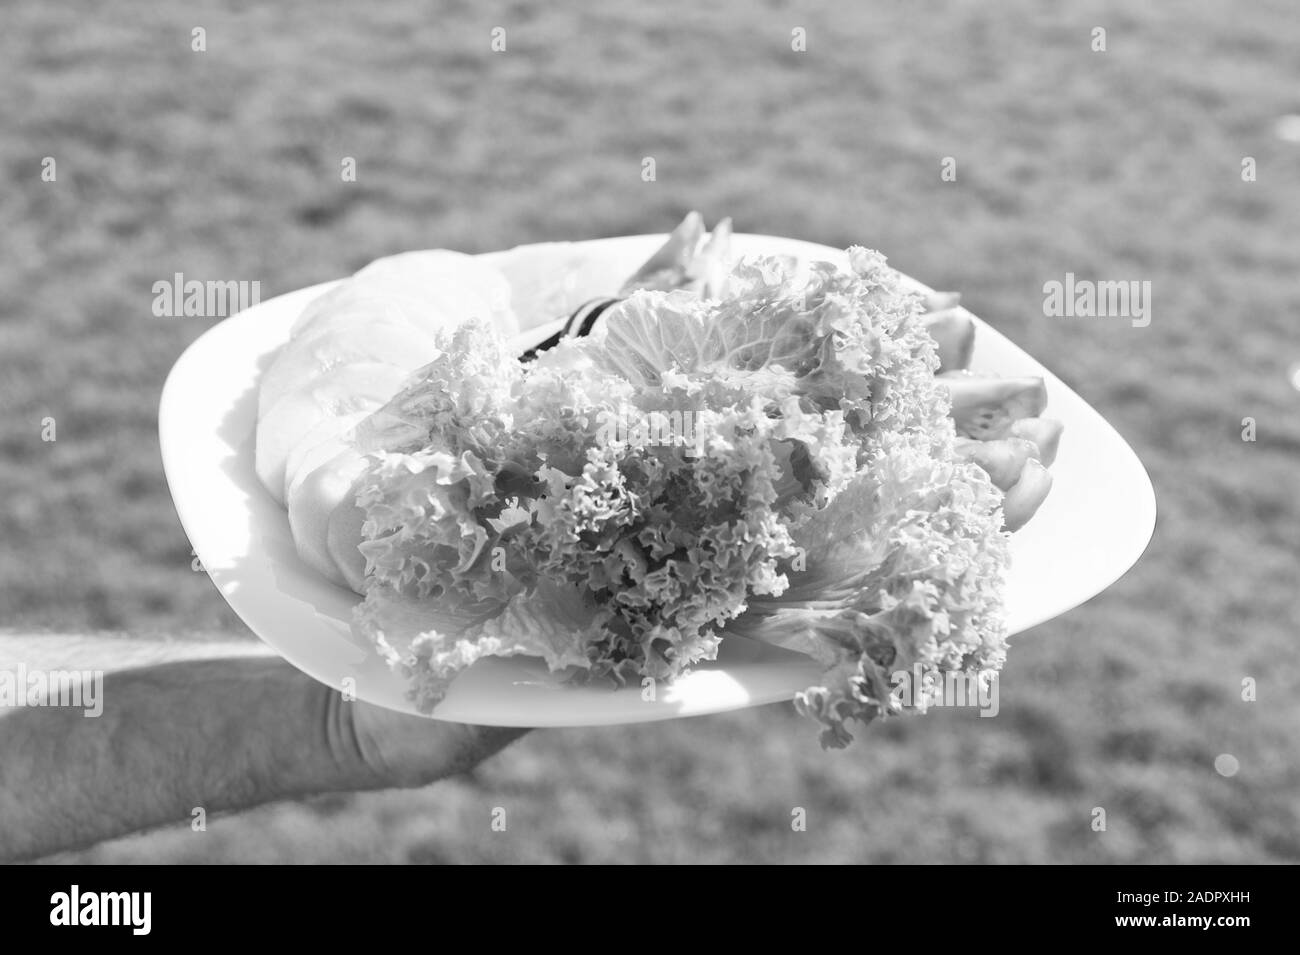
x=1094 y=525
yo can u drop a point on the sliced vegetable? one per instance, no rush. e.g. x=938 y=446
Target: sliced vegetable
x=1002 y=458
x=1026 y=495
x=953 y=331
x=940 y=301
x=668 y=267
x=986 y=407
x=1044 y=432
x=709 y=268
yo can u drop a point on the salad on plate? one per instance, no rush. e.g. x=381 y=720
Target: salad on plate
x=783 y=451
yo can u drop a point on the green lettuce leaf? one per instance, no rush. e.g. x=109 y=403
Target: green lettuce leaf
x=776 y=463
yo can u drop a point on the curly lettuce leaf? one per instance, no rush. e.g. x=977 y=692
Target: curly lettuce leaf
x=777 y=463
x=905 y=566
x=431 y=642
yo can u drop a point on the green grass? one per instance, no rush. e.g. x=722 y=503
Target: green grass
x=1123 y=164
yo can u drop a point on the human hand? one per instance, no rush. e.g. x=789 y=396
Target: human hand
x=187 y=725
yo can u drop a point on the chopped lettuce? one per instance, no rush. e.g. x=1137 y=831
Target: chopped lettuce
x=777 y=464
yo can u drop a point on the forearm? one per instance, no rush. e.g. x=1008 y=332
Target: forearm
x=213 y=734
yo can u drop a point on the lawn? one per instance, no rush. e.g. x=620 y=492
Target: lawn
x=1123 y=164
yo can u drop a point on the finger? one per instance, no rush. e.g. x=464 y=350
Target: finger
x=404 y=750
x=468 y=745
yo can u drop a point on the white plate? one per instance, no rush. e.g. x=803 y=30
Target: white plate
x=1092 y=528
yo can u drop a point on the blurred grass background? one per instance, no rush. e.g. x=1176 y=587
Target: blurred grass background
x=1125 y=164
